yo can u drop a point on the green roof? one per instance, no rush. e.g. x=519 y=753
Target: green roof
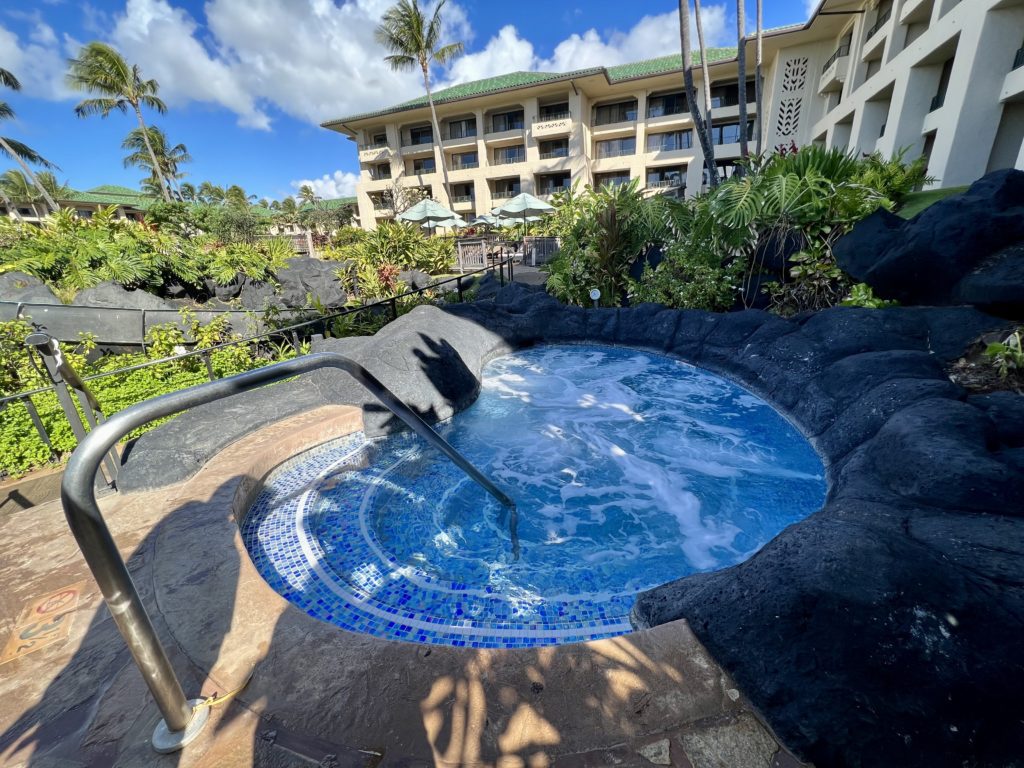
x=112 y=194
x=514 y=80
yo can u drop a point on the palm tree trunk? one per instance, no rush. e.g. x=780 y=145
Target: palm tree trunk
x=152 y=155
x=741 y=65
x=758 y=86
x=710 y=159
x=437 y=133
x=28 y=172
x=703 y=135
x=11 y=207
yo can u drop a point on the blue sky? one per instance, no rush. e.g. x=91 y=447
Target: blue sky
x=248 y=81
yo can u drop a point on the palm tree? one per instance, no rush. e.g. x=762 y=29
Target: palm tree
x=709 y=158
x=211 y=193
x=100 y=69
x=22 y=154
x=167 y=157
x=758 y=84
x=703 y=133
x=741 y=65
x=413 y=40
x=236 y=196
x=15 y=187
x=187 y=192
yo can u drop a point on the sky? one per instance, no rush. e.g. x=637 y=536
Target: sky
x=248 y=82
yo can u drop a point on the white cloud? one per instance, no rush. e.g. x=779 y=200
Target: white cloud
x=164 y=39
x=37 y=63
x=331 y=185
x=315 y=60
x=650 y=37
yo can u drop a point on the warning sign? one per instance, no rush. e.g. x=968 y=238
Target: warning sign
x=45 y=621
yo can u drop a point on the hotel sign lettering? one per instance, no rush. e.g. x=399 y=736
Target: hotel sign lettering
x=552 y=126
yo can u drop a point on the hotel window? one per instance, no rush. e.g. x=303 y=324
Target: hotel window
x=513 y=154
x=555 y=182
x=620 y=112
x=552 y=149
x=728 y=94
x=729 y=133
x=507 y=121
x=554 y=111
x=617 y=147
x=423 y=165
x=462 y=129
x=465 y=160
x=672 y=176
x=667 y=104
x=382 y=171
x=615 y=179
x=672 y=140
x=422 y=135
x=462 y=193
x=504 y=188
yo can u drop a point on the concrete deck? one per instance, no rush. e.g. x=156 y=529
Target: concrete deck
x=71 y=696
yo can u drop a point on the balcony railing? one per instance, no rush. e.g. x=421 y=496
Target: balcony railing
x=563 y=115
x=375 y=145
x=462 y=134
x=379 y=176
x=1018 y=60
x=630 y=117
x=381 y=205
x=417 y=142
x=548 y=191
x=663 y=183
x=667 y=146
x=842 y=50
x=462 y=198
x=619 y=152
x=937 y=101
x=504 y=194
x=518 y=157
x=465 y=166
x=879 y=23
x=563 y=152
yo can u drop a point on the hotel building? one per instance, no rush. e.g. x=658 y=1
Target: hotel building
x=943 y=78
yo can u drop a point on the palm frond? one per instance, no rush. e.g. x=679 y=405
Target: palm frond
x=8 y=79
x=101 y=107
x=449 y=52
x=25 y=152
x=6 y=111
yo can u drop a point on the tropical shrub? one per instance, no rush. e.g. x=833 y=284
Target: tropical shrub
x=862 y=295
x=1008 y=355
x=612 y=227
x=71 y=253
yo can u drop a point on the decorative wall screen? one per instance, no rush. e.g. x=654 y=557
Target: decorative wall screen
x=794 y=80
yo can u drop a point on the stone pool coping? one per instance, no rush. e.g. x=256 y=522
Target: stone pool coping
x=885 y=624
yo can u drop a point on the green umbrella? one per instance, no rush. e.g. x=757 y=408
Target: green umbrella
x=522 y=207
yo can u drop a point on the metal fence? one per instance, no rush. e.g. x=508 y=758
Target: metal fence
x=66 y=382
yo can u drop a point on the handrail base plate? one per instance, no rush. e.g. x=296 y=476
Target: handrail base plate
x=166 y=741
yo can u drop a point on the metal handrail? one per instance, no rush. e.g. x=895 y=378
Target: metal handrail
x=108 y=567
x=842 y=50
x=879 y=23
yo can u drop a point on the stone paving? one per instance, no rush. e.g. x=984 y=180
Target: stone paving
x=320 y=696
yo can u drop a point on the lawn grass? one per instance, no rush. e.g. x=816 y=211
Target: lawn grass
x=916 y=202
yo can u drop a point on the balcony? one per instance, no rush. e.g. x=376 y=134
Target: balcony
x=937 y=101
x=510 y=158
x=554 y=154
x=834 y=72
x=879 y=23
x=463 y=166
x=467 y=139
x=503 y=194
x=369 y=153
x=1013 y=84
x=463 y=202
x=619 y=128
x=558 y=124
x=916 y=11
x=618 y=152
x=420 y=147
x=504 y=137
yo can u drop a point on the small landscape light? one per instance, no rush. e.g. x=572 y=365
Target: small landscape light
x=595 y=296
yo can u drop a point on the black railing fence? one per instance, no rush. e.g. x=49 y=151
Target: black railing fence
x=48 y=350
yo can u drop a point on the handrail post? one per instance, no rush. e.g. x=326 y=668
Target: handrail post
x=183 y=720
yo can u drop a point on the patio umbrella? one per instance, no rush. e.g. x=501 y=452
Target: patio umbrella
x=428 y=212
x=522 y=207
x=454 y=221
